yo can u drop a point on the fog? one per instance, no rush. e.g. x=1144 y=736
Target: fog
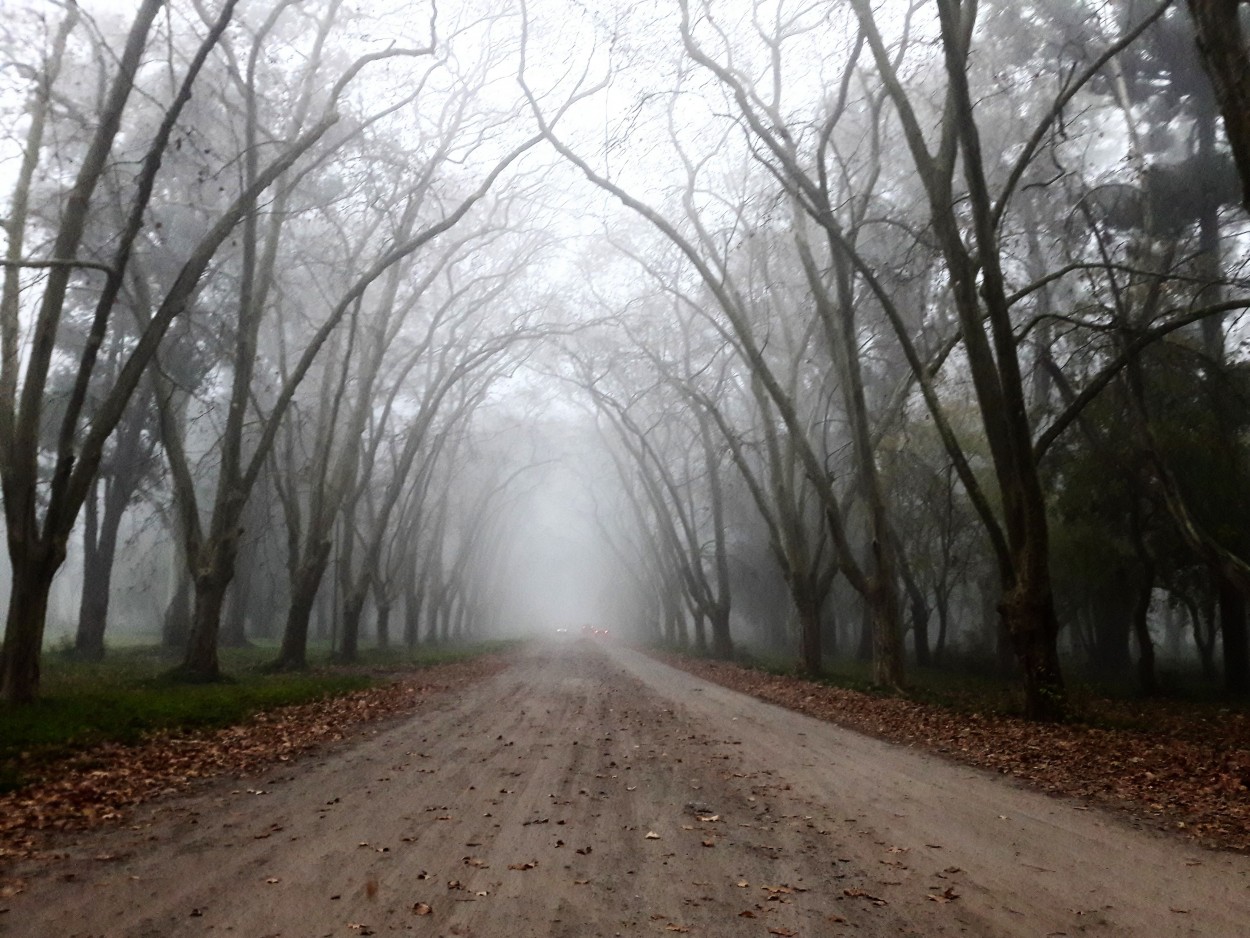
x=798 y=328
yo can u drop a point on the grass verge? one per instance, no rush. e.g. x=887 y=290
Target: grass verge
x=129 y=695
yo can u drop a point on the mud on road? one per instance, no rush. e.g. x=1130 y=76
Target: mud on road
x=590 y=791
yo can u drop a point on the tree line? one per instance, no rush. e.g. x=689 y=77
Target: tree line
x=953 y=294
x=913 y=327
x=254 y=259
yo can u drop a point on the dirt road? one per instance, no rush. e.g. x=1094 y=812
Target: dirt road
x=589 y=791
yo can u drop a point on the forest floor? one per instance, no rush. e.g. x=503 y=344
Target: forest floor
x=588 y=790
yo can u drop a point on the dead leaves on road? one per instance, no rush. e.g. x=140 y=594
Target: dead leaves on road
x=102 y=783
x=856 y=893
x=1188 y=768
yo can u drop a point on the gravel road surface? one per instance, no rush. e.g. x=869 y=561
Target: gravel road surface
x=591 y=791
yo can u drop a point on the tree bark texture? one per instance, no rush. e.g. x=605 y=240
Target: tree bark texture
x=1225 y=56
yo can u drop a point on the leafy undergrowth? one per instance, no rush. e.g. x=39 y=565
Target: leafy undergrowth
x=1180 y=767
x=100 y=783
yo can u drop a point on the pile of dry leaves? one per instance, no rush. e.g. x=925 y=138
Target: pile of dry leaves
x=1187 y=770
x=101 y=783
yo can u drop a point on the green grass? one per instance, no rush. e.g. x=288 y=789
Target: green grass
x=129 y=695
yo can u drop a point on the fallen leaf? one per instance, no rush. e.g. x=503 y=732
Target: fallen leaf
x=784 y=932
x=527 y=865
x=746 y=913
x=673 y=927
x=422 y=908
x=652 y=835
x=856 y=893
x=584 y=851
x=947 y=895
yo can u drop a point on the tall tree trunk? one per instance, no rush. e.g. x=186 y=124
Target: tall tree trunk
x=1146 y=676
x=1225 y=54
x=863 y=651
x=200 y=663
x=305 y=588
x=1174 y=631
x=89 y=642
x=460 y=629
x=943 y=606
x=384 y=626
x=1203 y=622
x=176 y=625
x=700 y=631
x=98 y=557
x=1028 y=612
x=32 y=575
x=239 y=602
x=214 y=571
x=828 y=628
x=1233 y=635
x=881 y=586
x=349 y=640
x=919 y=612
x=1111 y=619
x=807 y=608
x=412 y=616
x=722 y=644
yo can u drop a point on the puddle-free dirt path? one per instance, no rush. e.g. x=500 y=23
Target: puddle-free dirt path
x=590 y=791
